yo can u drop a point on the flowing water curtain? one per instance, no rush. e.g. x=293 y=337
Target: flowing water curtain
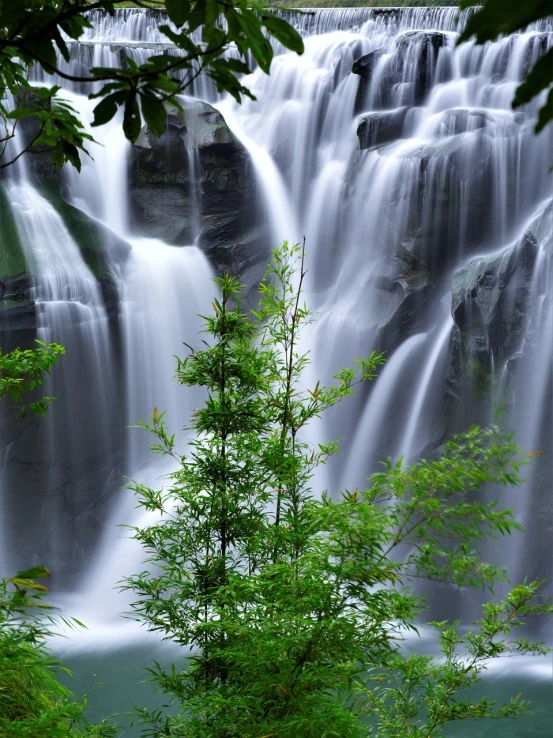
x=446 y=171
x=398 y=178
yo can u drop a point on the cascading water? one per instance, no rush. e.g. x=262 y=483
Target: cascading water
x=163 y=290
x=69 y=308
x=440 y=169
x=423 y=198
x=159 y=292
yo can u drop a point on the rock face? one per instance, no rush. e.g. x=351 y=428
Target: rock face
x=195 y=184
x=364 y=66
x=411 y=285
x=380 y=128
x=102 y=250
x=410 y=64
x=443 y=184
x=490 y=304
x=192 y=185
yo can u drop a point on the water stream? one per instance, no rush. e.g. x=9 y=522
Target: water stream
x=416 y=186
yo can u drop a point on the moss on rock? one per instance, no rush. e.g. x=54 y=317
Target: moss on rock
x=99 y=246
x=12 y=256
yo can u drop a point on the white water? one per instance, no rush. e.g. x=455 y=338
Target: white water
x=463 y=177
x=163 y=290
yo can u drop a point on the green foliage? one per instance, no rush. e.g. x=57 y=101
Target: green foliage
x=32 y=701
x=292 y=608
x=22 y=371
x=497 y=17
x=32 y=33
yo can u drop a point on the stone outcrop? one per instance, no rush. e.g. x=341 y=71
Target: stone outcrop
x=374 y=129
x=195 y=184
x=411 y=63
x=102 y=250
x=491 y=305
x=192 y=185
x=443 y=184
x=364 y=66
x=409 y=286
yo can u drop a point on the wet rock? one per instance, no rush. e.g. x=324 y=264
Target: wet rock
x=101 y=248
x=195 y=184
x=17 y=315
x=364 y=66
x=12 y=257
x=411 y=64
x=490 y=296
x=429 y=40
x=15 y=288
x=443 y=185
x=490 y=300
x=380 y=128
x=401 y=295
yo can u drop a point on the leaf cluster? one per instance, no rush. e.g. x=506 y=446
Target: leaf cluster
x=291 y=609
x=497 y=17
x=214 y=37
x=24 y=370
x=32 y=700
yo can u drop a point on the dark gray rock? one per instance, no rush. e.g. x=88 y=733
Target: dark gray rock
x=490 y=304
x=101 y=248
x=380 y=128
x=195 y=184
x=364 y=66
x=444 y=186
x=17 y=315
x=428 y=40
x=490 y=297
x=411 y=62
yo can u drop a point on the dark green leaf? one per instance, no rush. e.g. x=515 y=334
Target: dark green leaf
x=538 y=79
x=256 y=41
x=106 y=109
x=154 y=114
x=496 y=17
x=283 y=32
x=37 y=572
x=131 y=121
x=178 y=11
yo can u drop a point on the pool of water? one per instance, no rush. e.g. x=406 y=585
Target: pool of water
x=115 y=681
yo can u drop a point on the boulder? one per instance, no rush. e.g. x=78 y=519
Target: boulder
x=490 y=298
x=364 y=66
x=442 y=185
x=195 y=184
x=12 y=257
x=17 y=315
x=378 y=128
x=101 y=248
x=428 y=40
x=491 y=306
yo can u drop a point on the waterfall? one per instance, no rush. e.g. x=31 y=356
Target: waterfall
x=117 y=369
x=426 y=204
x=69 y=310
